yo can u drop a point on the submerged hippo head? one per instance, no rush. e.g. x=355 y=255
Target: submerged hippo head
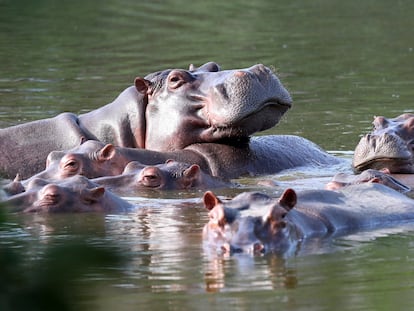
x=341 y=180
x=252 y=222
x=75 y=194
x=389 y=146
x=206 y=104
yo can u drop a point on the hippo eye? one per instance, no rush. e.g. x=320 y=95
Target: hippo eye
x=71 y=165
x=177 y=78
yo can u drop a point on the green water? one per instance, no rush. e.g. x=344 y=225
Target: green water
x=342 y=61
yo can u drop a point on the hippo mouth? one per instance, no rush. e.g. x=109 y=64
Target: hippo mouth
x=244 y=126
x=394 y=165
x=383 y=151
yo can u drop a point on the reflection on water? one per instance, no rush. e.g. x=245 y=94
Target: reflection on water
x=343 y=62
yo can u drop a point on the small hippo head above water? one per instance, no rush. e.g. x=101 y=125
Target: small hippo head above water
x=389 y=146
x=252 y=222
x=74 y=194
x=206 y=104
x=171 y=175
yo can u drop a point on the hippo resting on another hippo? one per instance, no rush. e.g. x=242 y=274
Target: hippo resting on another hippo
x=202 y=116
x=74 y=194
x=256 y=223
x=389 y=146
x=341 y=180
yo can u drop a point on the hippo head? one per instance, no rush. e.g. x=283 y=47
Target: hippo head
x=75 y=194
x=207 y=104
x=389 y=146
x=171 y=175
x=252 y=222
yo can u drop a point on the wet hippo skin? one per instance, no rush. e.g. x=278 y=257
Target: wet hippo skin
x=256 y=223
x=202 y=116
x=388 y=146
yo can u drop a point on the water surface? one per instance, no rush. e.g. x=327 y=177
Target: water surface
x=342 y=61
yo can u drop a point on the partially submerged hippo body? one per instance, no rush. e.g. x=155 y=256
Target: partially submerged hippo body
x=202 y=116
x=253 y=222
x=341 y=180
x=171 y=175
x=389 y=146
x=71 y=195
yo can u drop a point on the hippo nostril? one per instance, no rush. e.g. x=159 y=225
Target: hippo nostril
x=258 y=248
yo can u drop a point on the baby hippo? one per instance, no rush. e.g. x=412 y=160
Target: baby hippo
x=171 y=175
x=341 y=180
x=90 y=159
x=74 y=194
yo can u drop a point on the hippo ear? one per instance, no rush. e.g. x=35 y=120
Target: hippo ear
x=210 y=200
x=142 y=85
x=192 y=172
x=288 y=199
x=93 y=195
x=107 y=152
x=190 y=176
x=207 y=67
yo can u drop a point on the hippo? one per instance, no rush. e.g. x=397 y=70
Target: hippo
x=389 y=146
x=341 y=180
x=256 y=223
x=202 y=116
x=74 y=194
x=171 y=175
x=164 y=111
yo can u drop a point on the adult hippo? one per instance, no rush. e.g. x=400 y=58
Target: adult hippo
x=389 y=146
x=165 y=111
x=255 y=223
x=74 y=194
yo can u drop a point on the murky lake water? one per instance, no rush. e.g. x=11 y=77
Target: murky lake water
x=343 y=62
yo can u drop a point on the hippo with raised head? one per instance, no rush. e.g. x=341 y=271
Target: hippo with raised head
x=171 y=175
x=256 y=223
x=388 y=146
x=203 y=116
x=74 y=194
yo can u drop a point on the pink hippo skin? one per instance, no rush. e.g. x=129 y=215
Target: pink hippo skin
x=72 y=195
x=202 y=116
x=256 y=223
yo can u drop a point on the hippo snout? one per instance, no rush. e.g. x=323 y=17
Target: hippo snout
x=374 y=151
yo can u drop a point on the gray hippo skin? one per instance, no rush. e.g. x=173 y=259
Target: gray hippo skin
x=165 y=111
x=341 y=180
x=389 y=146
x=253 y=222
x=72 y=195
x=171 y=175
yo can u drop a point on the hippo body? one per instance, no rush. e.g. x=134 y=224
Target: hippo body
x=341 y=180
x=74 y=194
x=256 y=223
x=171 y=175
x=165 y=111
x=389 y=146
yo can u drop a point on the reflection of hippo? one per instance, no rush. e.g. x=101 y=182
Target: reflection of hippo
x=254 y=222
x=390 y=145
x=171 y=175
x=168 y=110
x=341 y=180
x=202 y=116
x=74 y=194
